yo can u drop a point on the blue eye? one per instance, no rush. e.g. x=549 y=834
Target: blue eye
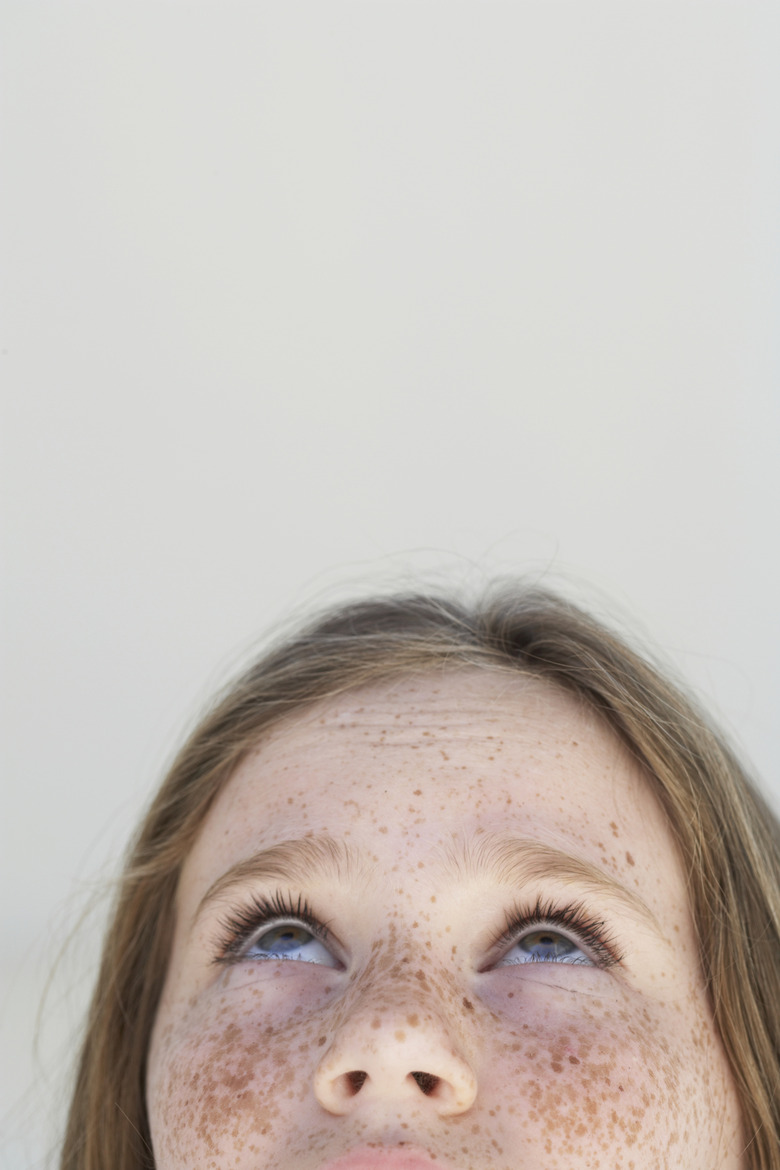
x=545 y=946
x=555 y=933
x=279 y=927
x=290 y=940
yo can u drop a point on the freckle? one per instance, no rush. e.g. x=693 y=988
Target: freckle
x=400 y=1035
x=468 y=1005
x=417 y=792
x=376 y=1023
x=322 y=1040
x=630 y=859
x=433 y=897
x=573 y=1060
x=413 y=1020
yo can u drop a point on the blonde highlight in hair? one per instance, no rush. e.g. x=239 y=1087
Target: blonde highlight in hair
x=728 y=837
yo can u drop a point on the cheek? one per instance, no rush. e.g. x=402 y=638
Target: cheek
x=227 y=1078
x=613 y=1085
x=566 y=1080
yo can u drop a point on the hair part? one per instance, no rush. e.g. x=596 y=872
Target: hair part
x=727 y=835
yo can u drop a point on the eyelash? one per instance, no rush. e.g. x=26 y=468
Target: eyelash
x=238 y=927
x=574 y=918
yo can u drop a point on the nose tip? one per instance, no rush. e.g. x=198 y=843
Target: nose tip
x=358 y=1070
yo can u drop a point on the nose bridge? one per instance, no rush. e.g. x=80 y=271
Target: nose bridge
x=399 y=1036
x=403 y=986
x=401 y=1007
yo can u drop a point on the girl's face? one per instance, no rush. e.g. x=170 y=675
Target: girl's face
x=438 y=923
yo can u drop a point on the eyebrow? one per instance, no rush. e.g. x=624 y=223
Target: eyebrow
x=300 y=862
x=512 y=861
x=519 y=861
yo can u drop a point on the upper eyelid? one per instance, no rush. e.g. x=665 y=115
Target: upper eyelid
x=243 y=922
x=598 y=939
x=317 y=930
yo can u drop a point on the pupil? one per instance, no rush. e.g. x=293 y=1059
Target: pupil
x=284 y=938
x=546 y=944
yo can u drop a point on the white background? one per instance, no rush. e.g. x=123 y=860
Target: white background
x=301 y=297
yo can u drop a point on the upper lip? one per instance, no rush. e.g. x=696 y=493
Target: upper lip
x=384 y=1158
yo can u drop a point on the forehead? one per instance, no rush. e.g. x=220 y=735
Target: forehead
x=454 y=754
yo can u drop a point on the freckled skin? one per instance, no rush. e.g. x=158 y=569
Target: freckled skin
x=280 y=1064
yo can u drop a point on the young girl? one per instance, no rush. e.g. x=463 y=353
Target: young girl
x=443 y=886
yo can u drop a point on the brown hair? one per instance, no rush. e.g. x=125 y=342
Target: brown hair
x=728 y=837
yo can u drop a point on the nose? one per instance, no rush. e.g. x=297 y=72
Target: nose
x=395 y=1056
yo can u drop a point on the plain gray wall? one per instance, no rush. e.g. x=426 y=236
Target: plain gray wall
x=304 y=296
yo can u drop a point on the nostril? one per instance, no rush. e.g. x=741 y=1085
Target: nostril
x=426 y=1081
x=356 y=1080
